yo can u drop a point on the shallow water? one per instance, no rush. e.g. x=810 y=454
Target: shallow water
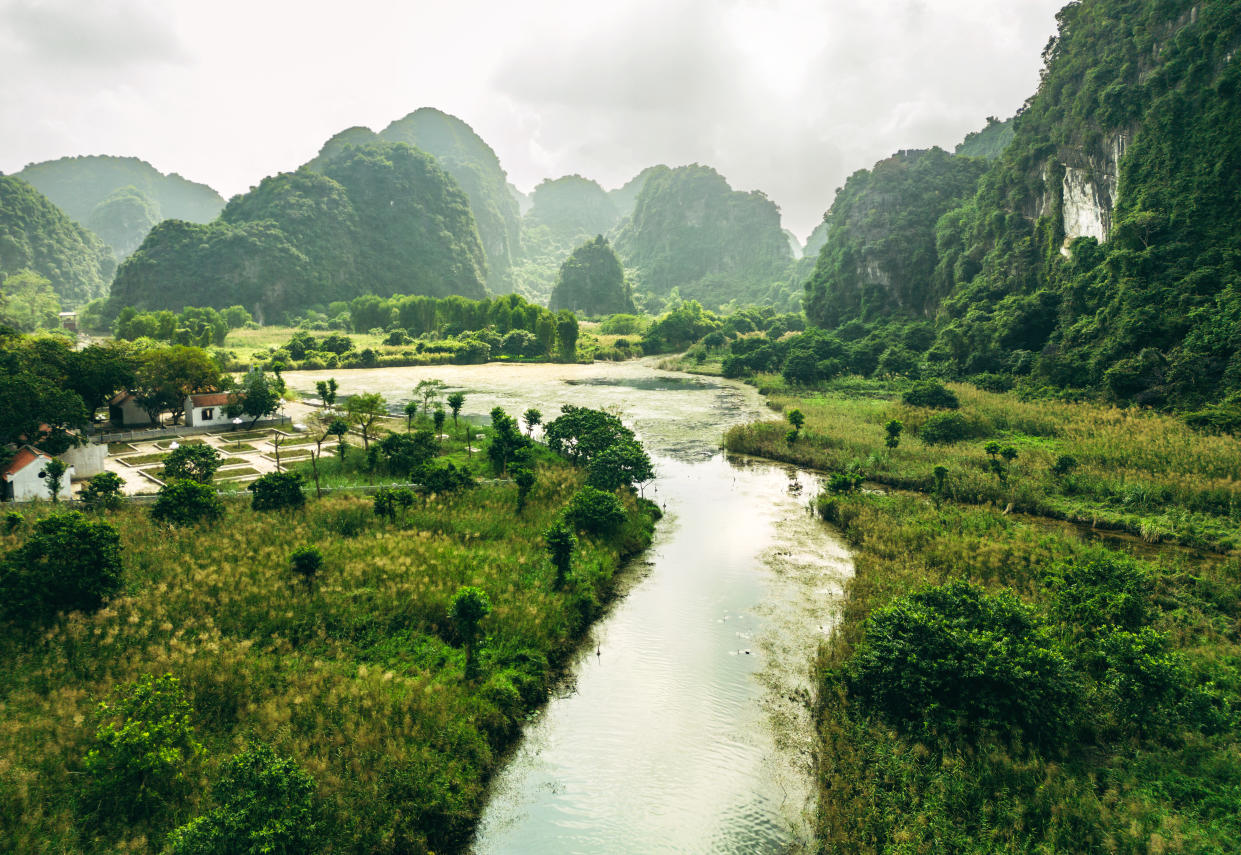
x=683 y=726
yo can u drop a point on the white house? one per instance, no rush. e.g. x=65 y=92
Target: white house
x=208 y=409
x=86 y=460
x=24 y=478
x=124 y=410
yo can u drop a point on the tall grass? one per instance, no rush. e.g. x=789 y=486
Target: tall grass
x=360 y=679
x=1138 y=471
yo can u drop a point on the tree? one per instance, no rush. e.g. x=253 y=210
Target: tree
x=264 y=806
x=411 y=412
x=566 y=335
x=624 y=463
x=893 y=429
x=508 y=443
x=796 y=419
x=408 y=454
x=306 y=562
x=428 y=390
x=28 y=303
x=102 y=491
x=193 y=461
x=456 y=400
x=338 y=428
x=469 y=606
x=364 y=410
x=389 y=499
x=186 y=503
x=68 y=563
x=144 y=741
x=277 y=490
x=595 y=511
x=54 y=473
x=580 y=433
x=327 y=392
x=524 y=479
x=259 y=396
x=438 y=418
x=592 y=281
x=532 y=418
x=166 y=376
x=560 y=543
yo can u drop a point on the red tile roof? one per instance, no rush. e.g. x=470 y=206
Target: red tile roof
x=24 y=457
x=211 y=399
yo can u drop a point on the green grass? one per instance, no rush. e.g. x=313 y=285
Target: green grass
x=1138 y=471
x=141 y=459
x=359 y=680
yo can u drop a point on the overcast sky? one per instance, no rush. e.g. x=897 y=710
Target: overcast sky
x=785 y=96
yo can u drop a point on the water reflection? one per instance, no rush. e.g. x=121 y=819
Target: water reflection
x=684 y=726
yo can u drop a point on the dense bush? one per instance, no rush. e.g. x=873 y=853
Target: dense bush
x=945 y=428
x=192 y=461
x=264 y=806
x=277 y=490
x=186 y=503
x=595 y=512
x=102 y=491
x=67 y=563
x=143 y=744
x=955 y=660
x=931 y=393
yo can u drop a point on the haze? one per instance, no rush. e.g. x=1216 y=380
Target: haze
x=786 y=96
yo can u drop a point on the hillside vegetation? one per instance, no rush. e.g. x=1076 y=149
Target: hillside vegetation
x=36 y=235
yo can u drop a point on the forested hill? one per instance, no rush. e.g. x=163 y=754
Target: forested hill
x=120 y=198
x=691 y=231
x=382 y=218
x=472 y=163
x=1101 y=248
x=37 y=235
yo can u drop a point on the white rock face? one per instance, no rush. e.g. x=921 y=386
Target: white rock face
x=1085 y=214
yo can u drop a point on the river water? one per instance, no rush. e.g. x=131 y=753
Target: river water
x=683 y=726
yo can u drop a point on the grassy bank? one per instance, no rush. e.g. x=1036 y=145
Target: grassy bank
x=997 y=685
x=1145 y=757
x=360 y=679
x=1136 y=471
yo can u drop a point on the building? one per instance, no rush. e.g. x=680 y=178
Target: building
x=25 y=480
x=208 y=409
x=125 y=411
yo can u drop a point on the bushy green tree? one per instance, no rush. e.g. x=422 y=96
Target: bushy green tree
x=103 y=491
x=186 y=503
x=364 y=410
x=143 y=746
x=595 y=511
x=192 y=461
x=67 y=563
x=592 y=281
x=560 y=543
x=624 y=463
x=264 y=806
x=306 y=562
x=277 y=490
x=468 y=608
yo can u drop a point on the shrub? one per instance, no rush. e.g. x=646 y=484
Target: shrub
x=13 y=521
x=142 y=745
x=186 y=503
x=945 y=428
x=560 y=543
x=931 y=393
x=67 y=563
x=306 y=562
x=446 y=478
x=388 y=500
x=594 y=511
x=277 y=490
x=956 y=660
x=264 y=806
x=192 y=462
x=102 y=491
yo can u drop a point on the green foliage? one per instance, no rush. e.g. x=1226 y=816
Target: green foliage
x=623 y=463
x=389 y=501
x=306 y=561
x=681 y=327
x=953 y=659
x=560 y=542
x=195 y=461
x=945 y=428
x=446 y=478
x=594 y=512
x=796 y=418
x=406 y=454
x=893 y=429
x=313 y=237
x=260 y=395
x=508 y=444
x=524 y=479
x=989 y=142
x=690 y=231
x=931 y=393
x=36 y=236
x=470 y=605
x=276 y=491
x=581 y=433
x=28 y=302
x=187 y=503
x=265 y=805
x=13 y=521
x=143 y=744
x=66 y=564
x=364 y=409
x=592 y=281
x=54 y=474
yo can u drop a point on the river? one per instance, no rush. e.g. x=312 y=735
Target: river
x=683 y=725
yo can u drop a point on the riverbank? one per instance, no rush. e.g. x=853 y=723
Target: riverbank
x=923 y=744
x=360 y=679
